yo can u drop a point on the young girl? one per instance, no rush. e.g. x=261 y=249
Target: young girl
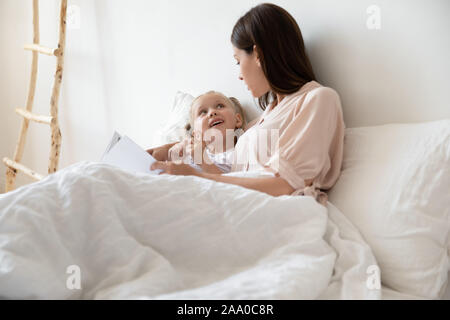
x=216 y=123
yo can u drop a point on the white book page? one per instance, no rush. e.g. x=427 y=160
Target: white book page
x=116 y=137
x=124 y=153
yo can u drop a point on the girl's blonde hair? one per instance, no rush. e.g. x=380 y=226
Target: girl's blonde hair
x=233 y=102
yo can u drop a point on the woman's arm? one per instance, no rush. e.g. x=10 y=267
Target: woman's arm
x=275 y=186
x=210 y=168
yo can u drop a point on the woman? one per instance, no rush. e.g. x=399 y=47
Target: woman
x=268 y=46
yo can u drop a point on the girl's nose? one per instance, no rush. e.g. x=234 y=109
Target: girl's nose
x=240 y=77
x=212 y=113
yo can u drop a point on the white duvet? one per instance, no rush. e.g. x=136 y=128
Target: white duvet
x=137 y=236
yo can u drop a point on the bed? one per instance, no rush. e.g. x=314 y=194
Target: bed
x=93 y=231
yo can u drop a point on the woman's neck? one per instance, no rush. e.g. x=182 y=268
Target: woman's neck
x=277 y=100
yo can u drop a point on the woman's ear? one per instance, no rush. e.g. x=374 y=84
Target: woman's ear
x=257 y=57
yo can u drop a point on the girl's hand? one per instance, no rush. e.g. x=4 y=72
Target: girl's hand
x=177 y=151
x=195 y=146
x=179 y=169
x=190 y=147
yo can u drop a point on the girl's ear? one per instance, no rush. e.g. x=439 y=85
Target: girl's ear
x=189 y=129
x=239 y=121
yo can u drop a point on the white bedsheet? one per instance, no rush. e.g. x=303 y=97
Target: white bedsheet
x=173 y=237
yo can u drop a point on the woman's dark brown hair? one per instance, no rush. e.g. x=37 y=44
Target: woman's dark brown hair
x=280 y=47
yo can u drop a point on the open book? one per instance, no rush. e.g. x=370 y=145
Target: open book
x=124 y=153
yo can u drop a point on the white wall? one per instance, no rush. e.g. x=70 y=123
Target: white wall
x=127 y=60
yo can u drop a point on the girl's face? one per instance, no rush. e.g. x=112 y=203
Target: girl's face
x=214 y=111
x=251 y=72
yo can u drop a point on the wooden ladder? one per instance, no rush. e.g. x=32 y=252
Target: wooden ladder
x=14 y=165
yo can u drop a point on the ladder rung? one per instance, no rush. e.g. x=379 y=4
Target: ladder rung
x=42 y=49
x=34 y=117
x=15 y=165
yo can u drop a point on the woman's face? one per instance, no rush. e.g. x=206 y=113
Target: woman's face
x=251 y=72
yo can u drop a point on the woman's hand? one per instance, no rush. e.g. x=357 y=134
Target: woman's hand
x=161 y=153
x=170 y=151
x=179 y=169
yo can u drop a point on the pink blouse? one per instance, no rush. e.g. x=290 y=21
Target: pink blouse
x=301 y=138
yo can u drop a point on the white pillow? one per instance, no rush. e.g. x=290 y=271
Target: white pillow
x=395 y=187
x=174 y=129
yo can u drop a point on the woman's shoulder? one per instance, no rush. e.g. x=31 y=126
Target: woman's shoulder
x=324 y=93
x=317 y=95
x=313 y=89
x=314 y=99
